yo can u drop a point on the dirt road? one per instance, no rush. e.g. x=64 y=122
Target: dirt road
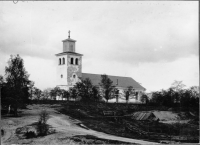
x=63 y=123
x=65 y=127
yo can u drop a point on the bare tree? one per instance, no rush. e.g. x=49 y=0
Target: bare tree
x=177 y=86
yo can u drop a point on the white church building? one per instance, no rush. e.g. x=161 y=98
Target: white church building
x=69 y=71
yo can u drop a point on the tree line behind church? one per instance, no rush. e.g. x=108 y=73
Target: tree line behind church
x=18 y=91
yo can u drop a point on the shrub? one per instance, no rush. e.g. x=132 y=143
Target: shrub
x=2 y=132
x=42 y=126
x=30 y=134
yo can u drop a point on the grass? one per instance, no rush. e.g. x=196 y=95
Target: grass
x=92 y=117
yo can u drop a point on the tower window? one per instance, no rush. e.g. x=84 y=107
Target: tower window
x=72 y=60
x=76 y=61
x=61 y=76
x=59 y=61
x=63 y=60
x=74 y=76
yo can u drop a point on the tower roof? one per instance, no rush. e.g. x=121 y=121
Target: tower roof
x=69 y=52
x=69 y=39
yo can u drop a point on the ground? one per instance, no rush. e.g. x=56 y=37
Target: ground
x=67 y=129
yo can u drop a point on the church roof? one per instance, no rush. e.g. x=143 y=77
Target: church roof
x=69 y=39
x=123 y=82
x=69 y=52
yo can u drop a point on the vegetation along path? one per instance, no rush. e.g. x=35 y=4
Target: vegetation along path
x=65 y=128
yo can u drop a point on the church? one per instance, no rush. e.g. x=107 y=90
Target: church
x=69 y=71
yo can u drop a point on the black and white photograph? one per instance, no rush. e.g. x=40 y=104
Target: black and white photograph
x=99 y=72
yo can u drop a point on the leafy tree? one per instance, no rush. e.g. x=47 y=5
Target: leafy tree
x=127 y=92
x=144 y=98
x=95 y=94
x=37 y=93
x=55 y=92
x=157 y=98
x=73 y=93
x=168 y=97
x=84 y=90
x=46 y=94
x=17 y=81
x=1 y=80
x=106 y=87
x=65 y=94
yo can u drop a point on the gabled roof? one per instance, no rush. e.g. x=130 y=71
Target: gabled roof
x=69 y=39
x=144 y=116
x=123 y=82
x=69 y=52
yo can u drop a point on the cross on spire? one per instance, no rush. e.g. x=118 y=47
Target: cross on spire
x=69 y=34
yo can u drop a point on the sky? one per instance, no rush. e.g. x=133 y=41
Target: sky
x=154 y=42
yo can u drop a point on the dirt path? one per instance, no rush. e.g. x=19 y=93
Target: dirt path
x=64 y=124
x=65 y=127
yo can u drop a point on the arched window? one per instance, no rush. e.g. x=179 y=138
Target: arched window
x=63 y=60
x=76 y=61
x=74 y=76
x=72 y=60
x=59 y=61
x=61 y=76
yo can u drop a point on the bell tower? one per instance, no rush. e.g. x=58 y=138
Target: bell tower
x=69 y=67
x=69 y=44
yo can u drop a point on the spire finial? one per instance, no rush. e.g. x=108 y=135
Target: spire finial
x=69 y=34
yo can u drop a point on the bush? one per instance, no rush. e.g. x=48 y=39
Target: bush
x=30 y=134
x=42 y=126
x=2 y=132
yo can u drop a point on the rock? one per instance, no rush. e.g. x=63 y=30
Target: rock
x=10 y=122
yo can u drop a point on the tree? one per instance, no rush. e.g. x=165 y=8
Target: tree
x=73 y=93
x=157 y=98
x=116 y=91
x=169 y=97
x=84 y=90
x=1 y=80
x=95 y=94
x=66 y=94
x=17 y=81
x=55 y=92
x=46 y=94
x=37 y=93
x=177 y=85
x=106 y=87
x=127 y=92
x=144 y=98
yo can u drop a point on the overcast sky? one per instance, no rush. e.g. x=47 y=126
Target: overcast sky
x=153 y=42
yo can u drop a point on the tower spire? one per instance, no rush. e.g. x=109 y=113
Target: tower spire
x=69 y=34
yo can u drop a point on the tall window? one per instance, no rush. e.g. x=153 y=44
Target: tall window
x=59 y=61
x=76 y=61
x=63 y=60
x=72 y=60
